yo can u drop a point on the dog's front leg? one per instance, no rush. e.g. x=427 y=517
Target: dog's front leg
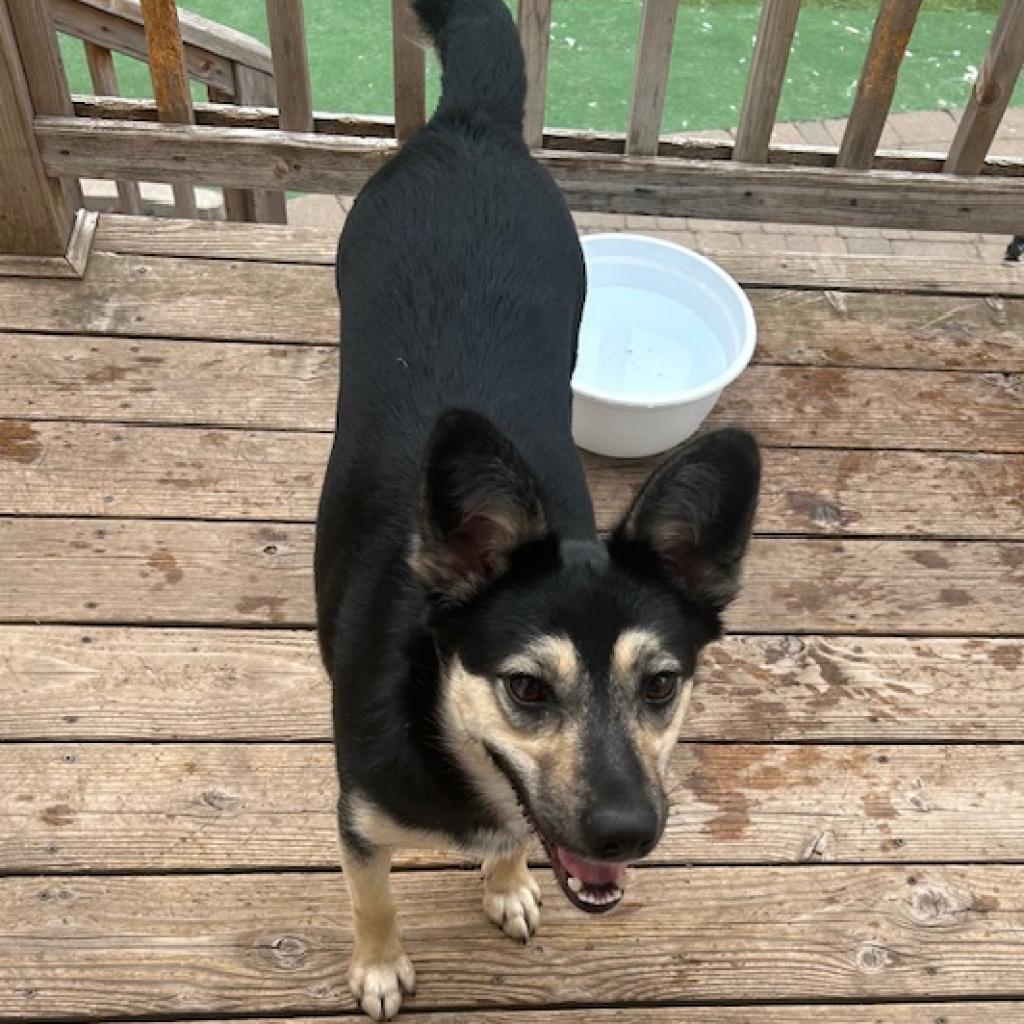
x=512 y=895
x=380 y=970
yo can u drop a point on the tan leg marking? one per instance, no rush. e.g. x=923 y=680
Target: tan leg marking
x=512 y=895
x=380 y=971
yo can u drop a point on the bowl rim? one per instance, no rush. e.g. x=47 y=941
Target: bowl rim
x=692 y=394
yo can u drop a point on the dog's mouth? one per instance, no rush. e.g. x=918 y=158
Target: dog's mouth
x=593 y=886
x=589 y=885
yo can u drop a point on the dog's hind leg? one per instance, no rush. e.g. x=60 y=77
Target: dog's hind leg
x=512 y=895
x=380 y=970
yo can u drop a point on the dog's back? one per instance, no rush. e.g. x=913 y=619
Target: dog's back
x=461 y=285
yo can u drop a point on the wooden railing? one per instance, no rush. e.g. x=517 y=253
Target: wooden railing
x=256 y=140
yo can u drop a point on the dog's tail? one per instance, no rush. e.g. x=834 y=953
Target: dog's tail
x=482 y=69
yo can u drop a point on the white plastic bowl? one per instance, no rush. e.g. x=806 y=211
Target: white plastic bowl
x=664 y=332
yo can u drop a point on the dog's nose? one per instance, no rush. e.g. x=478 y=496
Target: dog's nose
x=621 y=832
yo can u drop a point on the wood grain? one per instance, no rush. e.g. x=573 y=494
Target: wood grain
x=291 y=64
x=263 y=806
x=408 y=70
x=293 y=387
x=614 y=143
x=990 y=94
x=265 y=944
x=94 y=21
x=35 y=217
x=1004 y=1012
x=128 y=470
x=765 y=79
x=662 y=186
x=169 y=572
x=534 y=19
x=877 y=83
x=650 y=75
x=116 y=683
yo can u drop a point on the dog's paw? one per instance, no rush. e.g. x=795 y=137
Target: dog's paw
x=512 y=900
x=378 y=980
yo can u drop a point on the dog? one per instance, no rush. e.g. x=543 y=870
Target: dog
x=499 y=670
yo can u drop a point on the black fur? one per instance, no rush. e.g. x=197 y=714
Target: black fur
x=461 y=284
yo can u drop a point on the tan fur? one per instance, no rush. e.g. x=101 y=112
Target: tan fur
x=639 y=652
x=379 y=829
x=512 y=895
x=380 y=971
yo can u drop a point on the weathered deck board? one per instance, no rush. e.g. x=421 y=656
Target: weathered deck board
x=1004 y=1012
x=173 y=572
x=241 y=299
x=263 y=944
x=115 y=470
x=294 y=387
x=209 y=807
x=115 y=683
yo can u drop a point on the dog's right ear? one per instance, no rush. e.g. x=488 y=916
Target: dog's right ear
x=478 y=502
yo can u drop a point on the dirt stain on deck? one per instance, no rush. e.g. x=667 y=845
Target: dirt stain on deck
x=20 y=442
x=273 y=606
x=163 y=561
x=58 y=815
x=930 y=559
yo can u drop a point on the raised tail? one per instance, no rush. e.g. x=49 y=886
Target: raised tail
x=482 y=72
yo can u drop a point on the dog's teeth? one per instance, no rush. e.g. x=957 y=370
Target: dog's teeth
x=574 y=883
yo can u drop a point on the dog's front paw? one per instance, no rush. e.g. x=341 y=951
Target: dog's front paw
x=512 y=897
x=379 y=978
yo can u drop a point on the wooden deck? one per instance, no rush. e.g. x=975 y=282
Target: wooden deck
x=848 y=839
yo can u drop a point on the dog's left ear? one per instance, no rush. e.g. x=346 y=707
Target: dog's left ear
x=478 y=502
x=695 y=513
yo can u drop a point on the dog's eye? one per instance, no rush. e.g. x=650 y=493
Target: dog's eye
x=526 y=689
x=660 y=688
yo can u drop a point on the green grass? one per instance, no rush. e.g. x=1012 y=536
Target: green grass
x=592 y=53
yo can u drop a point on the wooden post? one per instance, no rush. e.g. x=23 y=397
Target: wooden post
x=764 y=83
x=44 y=72
x=877 y=83
x=170 y=81
x=35 y=218
x=291 y=64
x=104 y=81
x=650 y=79
x=409 y=70
x=535 y=33
x=991 y=93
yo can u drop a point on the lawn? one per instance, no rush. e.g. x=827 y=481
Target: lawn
x=592 y=58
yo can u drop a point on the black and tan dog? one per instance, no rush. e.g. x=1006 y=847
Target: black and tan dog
x=498 y=669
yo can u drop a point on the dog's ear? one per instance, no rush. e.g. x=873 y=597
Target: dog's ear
x=478 y=502
x=694 y=516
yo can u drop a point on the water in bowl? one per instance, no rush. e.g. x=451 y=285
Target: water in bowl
x=641 y=344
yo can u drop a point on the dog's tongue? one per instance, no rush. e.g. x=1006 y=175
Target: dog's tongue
x=589 y=872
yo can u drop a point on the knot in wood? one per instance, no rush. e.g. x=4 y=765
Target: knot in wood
x=873 y=958
x=219 y=800
x=288 y=951
x=934 y=906
x=793 y=645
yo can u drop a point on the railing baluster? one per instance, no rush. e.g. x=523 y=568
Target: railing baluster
x=104 y=81
x=291 y=64
x=256 y=89
x=535 y=33
x=650 y=78
x=991 y=93
x=170 y=81
x=877 y=84
x=409 y=71
x=764 y=82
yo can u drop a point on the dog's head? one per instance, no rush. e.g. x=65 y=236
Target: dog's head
x=567 y=665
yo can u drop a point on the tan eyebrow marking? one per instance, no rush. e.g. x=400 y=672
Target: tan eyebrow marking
x=555 y=657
